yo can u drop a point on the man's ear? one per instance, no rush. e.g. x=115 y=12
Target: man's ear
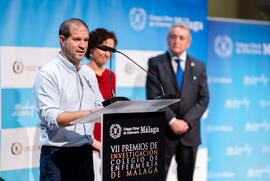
x=62 y=40
x=190 y=41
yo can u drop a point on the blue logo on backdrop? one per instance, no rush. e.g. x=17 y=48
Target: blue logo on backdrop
x=237 y=103
x=238 y=151
x=219 y=80
x=266 y=48
x=253 y=80
x=222 y=128
x=257 y=127
x=258 y=173
x=20 y=110
x=217 y=175
x=264 y=103
x=223 y=46
x=137 y=18
x=266 y=149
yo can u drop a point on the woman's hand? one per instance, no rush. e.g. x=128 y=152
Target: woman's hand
x=97 y=145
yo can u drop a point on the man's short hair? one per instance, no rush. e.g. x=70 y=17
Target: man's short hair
x=64 y=29
x=181 y=25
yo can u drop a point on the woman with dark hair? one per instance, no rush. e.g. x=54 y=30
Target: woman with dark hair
x=98 y=58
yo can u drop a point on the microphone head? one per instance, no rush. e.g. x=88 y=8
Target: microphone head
x=105 y=48
x=102 y=48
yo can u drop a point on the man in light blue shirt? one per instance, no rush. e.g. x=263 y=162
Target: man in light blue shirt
x=65 y=89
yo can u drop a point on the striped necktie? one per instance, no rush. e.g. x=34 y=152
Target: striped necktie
x=179 y=73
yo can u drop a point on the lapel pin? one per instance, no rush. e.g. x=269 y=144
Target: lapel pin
x=192 y=64
x=194 y=77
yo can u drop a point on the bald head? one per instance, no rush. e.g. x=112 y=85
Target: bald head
x=64 y=29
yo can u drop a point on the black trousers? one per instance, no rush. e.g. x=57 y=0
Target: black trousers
x=185 y=159
x=66 y=163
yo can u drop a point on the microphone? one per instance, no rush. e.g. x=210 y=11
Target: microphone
x=163 y=96
x=113 y=98
x=105 y=48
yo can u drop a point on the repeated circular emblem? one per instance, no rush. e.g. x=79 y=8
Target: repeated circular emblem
x=223 y=46
x=18 y=67
x=16 y=148
x=115 y=131
x=137 y=18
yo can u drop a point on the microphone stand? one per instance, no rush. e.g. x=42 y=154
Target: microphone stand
x=113 y=97
x=163 y=96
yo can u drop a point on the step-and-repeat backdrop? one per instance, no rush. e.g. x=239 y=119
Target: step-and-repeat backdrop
x=29 y=39
x=238 y=124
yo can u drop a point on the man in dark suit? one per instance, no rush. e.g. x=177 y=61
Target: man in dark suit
x=185 y=77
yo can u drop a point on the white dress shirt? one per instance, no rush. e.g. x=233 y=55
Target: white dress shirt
x=183 y=58
x=60 y=88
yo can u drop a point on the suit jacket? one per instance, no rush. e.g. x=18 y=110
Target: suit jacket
x=194 y=94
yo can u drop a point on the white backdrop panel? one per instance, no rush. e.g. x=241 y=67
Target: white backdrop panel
x=127 y=73
x=21 y=64
x=20 y=148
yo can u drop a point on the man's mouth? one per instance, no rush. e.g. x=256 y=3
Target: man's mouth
x=81 y=52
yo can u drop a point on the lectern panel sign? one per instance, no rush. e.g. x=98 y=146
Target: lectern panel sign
x=133 y=146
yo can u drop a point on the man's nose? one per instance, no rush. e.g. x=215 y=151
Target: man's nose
x=83 y=44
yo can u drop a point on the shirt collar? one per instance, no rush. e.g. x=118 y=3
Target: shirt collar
x=183 y=57
x=67 y=64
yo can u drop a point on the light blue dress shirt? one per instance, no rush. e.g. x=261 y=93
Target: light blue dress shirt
x=60 y=88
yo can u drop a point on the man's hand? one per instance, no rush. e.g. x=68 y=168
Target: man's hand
x=65 y=118
x=179 y=126
x=95 y=109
